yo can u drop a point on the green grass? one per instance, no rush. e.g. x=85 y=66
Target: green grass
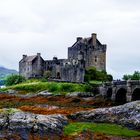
x=10 y=110
x=111 y=129
x=54 y=87
x=95 y=82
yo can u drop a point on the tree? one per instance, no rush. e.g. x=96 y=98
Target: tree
x=14 y=79
x=92 y=74
x=134 y=76
x=127 y=77
x=109 y=77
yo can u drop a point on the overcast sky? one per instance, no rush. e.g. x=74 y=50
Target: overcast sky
x=50 y=26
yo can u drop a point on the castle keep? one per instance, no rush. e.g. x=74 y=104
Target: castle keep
x=85 y=52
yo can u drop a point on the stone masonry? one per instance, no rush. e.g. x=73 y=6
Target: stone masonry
x=121 y=91
x=84 y=53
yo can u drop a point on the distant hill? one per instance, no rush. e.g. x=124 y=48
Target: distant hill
x=5 y=72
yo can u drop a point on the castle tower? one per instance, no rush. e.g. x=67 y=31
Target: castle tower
x=94 y=53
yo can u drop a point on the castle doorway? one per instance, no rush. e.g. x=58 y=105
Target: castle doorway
x=121 y=96
x=58 y=75
x=136 y=94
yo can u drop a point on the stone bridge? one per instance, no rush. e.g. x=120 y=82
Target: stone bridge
x=121 y=91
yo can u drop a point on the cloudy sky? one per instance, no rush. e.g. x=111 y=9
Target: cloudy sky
x=50 y=26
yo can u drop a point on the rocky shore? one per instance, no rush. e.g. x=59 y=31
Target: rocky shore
x=25 y=123
x=45 y=113
x=126 y=115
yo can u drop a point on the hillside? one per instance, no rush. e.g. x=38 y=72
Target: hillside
x=5 y=71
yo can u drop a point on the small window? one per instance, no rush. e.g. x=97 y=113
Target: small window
x=95 y=58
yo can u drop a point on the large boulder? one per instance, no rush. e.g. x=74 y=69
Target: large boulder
x=11 y=91
x=80 y=94
x=44 y=93
x=23 y=123
x=127 y=115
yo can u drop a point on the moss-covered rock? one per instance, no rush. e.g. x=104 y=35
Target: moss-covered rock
x=126 y=115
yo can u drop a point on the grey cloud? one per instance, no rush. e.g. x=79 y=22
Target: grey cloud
x=50 y=26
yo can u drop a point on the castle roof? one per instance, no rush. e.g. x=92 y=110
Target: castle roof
x=30 y=58
x=86 y=40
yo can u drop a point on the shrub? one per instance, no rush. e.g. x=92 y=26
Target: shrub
x=14 y=79
x=47 y=74
x=109 y=77
x=92 y=74
x=52 y=87
x=64 y=87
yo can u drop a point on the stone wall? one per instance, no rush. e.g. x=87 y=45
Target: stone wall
x=37 y=68
x=72 y=73
x=84 y=53
x=30 y=69
x=94 y=53
x=66 y=70
x=98 y=59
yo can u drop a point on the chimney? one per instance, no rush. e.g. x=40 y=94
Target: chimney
x=24 y=56
x=94 y=36
x=38 y=54
x=55 y=58
x=78 y=39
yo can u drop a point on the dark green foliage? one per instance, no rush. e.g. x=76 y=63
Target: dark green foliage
x=67 y=87
x=126 y=77
x=52 y=88
x=109 y=77
x=92 y=74
x=134 y=76
x=47 y=74
x=14 y=79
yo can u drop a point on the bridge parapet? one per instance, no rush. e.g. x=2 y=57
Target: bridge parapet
x=108 y=84
x=120 y=83
x=115 y=83
x=129 y=82
x=134 y=82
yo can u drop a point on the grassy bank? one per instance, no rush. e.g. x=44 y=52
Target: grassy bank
x=54 y=87
x=111 y=129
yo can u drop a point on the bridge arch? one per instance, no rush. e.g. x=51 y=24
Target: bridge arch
x=136 y=94
x=109 y=93
x=121 y=96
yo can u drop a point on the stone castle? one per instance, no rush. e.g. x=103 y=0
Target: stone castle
x=85 y=52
